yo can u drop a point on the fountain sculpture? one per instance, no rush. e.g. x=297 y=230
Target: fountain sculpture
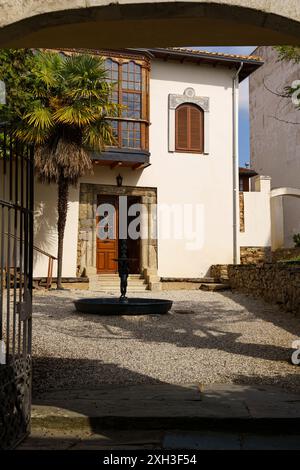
x=123 y=305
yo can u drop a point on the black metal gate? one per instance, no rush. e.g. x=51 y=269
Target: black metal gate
x=16 y=246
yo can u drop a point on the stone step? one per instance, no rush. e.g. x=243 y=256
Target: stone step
x=199 y=407
x=214 y=287
x=115 y=276
x=117 y=285
x=112 y=284
x=193 y=280
x=210 y=280
x=116 y=279
x=117 y=289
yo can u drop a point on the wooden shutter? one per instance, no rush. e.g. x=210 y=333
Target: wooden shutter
x=189 y=129
x=196 y=129
x=182 y=128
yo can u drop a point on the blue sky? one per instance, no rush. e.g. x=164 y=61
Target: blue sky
x=244 y=137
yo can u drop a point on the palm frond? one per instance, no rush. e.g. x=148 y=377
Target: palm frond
x=31 y=135
x=40 y=117
x=73 y=159
x=69 y=117
x=84 y=69
x=75 y=114
x=47 y=68
x=99 y=135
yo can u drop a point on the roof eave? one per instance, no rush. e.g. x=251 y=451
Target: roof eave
x=250 y=65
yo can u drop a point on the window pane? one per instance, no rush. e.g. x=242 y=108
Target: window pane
x=115 y=97
x=114 y=125
x=131 y=76
x=112 y=73
x=111 y=68
x=131 y=134
x=132 y=101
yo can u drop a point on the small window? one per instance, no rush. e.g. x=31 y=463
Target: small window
x=189 y=121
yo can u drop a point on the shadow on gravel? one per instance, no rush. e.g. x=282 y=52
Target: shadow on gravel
x=198 y=330
x=272 y=313
x=55 y=373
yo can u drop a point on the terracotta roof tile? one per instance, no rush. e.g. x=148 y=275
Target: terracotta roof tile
x=213 y=54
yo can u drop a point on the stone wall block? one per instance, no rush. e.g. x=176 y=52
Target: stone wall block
x=275 y=283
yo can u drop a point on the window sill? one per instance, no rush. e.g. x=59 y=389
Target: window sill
x=186 y=152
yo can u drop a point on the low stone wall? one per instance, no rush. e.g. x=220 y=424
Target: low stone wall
x=219 y=272
x=275 y=283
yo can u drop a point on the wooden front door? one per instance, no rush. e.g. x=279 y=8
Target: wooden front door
x=107 y=247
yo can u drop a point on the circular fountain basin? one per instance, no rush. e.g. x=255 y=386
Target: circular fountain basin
x=134 y=306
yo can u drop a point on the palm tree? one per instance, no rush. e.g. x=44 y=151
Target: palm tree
x=67 y=119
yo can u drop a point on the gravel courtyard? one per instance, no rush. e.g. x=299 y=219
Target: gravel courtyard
x=207 y=338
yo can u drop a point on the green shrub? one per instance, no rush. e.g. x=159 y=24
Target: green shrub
x=296 y=239
x=295 y=260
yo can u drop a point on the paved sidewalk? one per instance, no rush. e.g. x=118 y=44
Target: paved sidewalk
x=166 y=416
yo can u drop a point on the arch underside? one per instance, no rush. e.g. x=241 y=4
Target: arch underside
x=280 y=192
x=150 y=24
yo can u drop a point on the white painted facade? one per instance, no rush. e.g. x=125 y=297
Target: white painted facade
x=204 y=181
x=257 y=214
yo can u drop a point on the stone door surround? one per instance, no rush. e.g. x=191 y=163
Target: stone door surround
x=86 y=247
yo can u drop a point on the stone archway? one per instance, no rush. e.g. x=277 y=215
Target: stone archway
x=102 y=23
x=277 y=214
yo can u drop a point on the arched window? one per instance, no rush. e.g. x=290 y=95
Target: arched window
x=189 y=128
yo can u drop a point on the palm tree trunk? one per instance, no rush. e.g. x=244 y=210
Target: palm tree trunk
x=62 y=209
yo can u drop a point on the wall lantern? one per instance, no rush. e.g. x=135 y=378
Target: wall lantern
x=119 y=179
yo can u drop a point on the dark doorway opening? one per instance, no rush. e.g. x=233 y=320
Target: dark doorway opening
x=107 y=250
x=133 y=245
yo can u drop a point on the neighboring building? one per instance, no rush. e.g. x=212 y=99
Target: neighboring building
x=275 y=135
x=175 y=151
x=245 y=175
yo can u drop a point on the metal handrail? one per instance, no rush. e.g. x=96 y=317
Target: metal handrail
x=39 y=250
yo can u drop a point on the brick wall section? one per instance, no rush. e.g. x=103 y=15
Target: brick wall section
x=250 y=255
x=275 y=283
x=255 y=254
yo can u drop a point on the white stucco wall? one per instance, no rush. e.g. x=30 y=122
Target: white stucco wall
x=275 y=140
x=45 y=233
x=257 y=215
x=180 y=178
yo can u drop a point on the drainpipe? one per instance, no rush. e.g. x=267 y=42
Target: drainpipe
x=235 y=167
